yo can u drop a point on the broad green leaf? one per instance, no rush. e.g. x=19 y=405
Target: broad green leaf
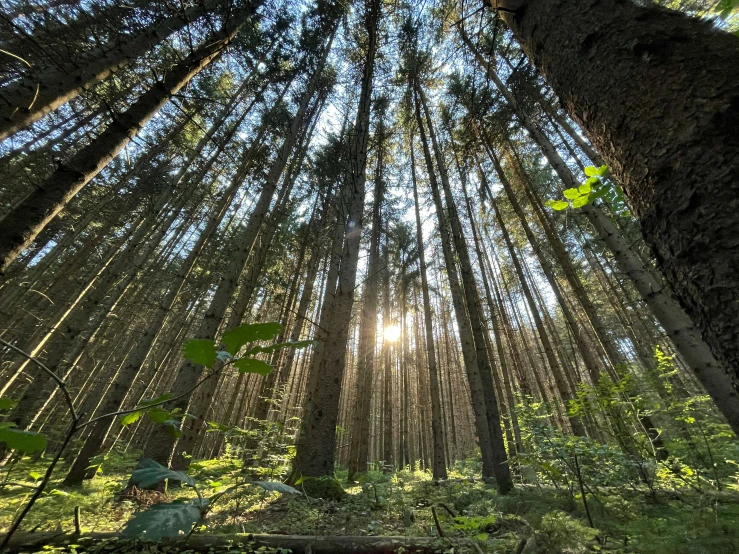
x=149 y=473
x=600 y=193
x=250 y=332
x=157 y=400
x=275 y=486
x=280 y=346
x=172 y=426
x=591 y=171
x=200 y=351
x=482 y=537
x=22 y=441
x=571 y=193
x=133 y=417
x=251 y=365
x=35 y=475
x=164 y=520
x=580 y=202
x=585 y=188
x=725 y=7
x=559 y=205
x=602 y=170
x=7 y=404
x=158 y=415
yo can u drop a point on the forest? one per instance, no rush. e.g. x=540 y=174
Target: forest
x=369 y=276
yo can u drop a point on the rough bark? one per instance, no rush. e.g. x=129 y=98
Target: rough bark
x=657 y=94
x=317 y=438
x=666 y=309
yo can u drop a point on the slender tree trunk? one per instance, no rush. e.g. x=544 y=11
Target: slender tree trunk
x=20 y=227
x=317 y=439
x=486 y=369
x=439 y=466
x=387 y=453
x=188 y=375
x=37 y=95
x=469 y=353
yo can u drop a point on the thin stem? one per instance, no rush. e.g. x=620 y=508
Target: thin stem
x=40 y=489
x=148 y=406
x=54 y=376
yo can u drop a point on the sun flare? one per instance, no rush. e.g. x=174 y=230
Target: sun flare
x=391 y=333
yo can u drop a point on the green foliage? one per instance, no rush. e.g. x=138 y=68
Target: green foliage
x=171 y=419
x=725 y=7
x=596 y=186
x=205 y=352
x=164 y=520
x=627 y=521
x=26 y=442
x=474 y=523
x=200 y=351
x=150 y=472
x=250 y=332
x=251 y=365
x=7 y=403
x=560 y=532
x=178 y=517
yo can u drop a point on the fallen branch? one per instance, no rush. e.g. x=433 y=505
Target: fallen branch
x=30 y=542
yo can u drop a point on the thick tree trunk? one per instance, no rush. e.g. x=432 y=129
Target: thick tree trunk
x=656 y=92
x=317 y=439
x=368 y=322
x=668 y=312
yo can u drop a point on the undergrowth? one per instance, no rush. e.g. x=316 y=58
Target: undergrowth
x=403 y=504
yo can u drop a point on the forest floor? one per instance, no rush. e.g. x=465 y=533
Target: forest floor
x=402 y=504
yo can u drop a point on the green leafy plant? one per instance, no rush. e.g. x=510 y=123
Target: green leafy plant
x=198 y=351
x=596 y=186
x=179 y=517
x=205 y=352
x=725 y=7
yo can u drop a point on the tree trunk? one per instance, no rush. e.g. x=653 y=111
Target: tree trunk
x=485 y=366
x=317 y=439
x=37 y=95
x=20 y=227
x=665 y=308
x=656 y=92
x=439 y=466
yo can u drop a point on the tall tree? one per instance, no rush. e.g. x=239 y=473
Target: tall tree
x=317 y=439
x=675 y=154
